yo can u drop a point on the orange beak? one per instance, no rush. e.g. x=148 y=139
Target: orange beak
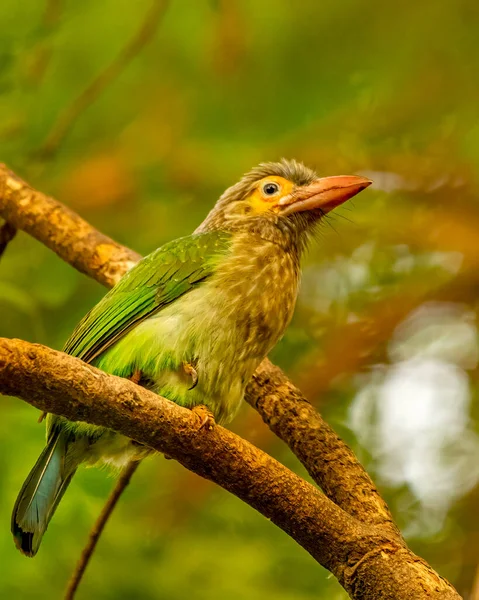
x=324 y=194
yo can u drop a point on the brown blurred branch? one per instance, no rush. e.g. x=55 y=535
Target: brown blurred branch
x=348 y=529
x=53 y=10
x=98 y=528
x=475 y=586
x=7 y=233
x=42 y=52
x=348 y=347
x=138 y=41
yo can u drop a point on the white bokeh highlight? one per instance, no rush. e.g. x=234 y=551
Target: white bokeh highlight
x=413 y=415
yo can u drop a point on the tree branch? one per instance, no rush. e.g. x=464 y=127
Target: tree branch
x=63 y=231
x=98 y=527
x=329 y=461
x=61 y=384
x=7 y=233
x=356 y=553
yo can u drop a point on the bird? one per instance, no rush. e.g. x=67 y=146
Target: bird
x=191 y=321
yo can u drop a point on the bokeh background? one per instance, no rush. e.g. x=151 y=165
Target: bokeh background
x=138 y=116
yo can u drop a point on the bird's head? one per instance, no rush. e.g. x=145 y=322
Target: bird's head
x=281 y=201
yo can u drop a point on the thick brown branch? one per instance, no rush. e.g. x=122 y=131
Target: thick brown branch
x=328 y=459
x=63 y=385
x=63 y=231
x=358 y=554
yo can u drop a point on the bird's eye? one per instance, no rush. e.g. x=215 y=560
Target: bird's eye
x=270 y=189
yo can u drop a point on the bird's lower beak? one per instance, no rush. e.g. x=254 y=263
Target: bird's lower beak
x=324 y=194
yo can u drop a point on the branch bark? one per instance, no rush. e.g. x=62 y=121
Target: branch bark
x=356 y=553
x=329 y=461
x=348 y=529
x=63 y=231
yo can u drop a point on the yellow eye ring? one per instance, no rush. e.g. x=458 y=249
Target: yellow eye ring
x=271 y=188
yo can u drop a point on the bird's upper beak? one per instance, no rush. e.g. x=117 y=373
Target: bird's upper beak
x=325 y=194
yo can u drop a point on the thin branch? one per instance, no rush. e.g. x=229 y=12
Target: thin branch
x=349 y=347
x=43 y=50
x=98 y=528
x=139 y=40
x=7 y=233
x=53 y=11
x=370 y=564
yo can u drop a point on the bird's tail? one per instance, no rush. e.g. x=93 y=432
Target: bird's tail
x=41 y=493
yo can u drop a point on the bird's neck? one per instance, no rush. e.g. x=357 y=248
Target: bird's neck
x=260 y=248
x=291 y=235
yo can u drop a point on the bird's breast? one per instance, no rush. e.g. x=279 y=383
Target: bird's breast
x=255 y=293
x=224 y=328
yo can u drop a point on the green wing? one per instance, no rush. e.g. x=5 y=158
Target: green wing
x=156 y=281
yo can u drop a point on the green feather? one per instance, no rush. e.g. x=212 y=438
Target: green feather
x=155 y=282
x=41 y=493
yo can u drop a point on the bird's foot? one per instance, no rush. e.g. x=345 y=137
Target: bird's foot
x=191 y=371
x=41 y=417
x=136 y=377
x=207 y=418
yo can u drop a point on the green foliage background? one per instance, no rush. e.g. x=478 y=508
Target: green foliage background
x=388 y=89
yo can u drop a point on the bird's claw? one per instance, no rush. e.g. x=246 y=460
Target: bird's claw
x=207 y=419
x=191 y=371
x=136 y=377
